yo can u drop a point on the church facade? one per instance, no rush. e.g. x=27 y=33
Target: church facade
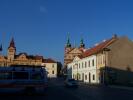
x=71 y=51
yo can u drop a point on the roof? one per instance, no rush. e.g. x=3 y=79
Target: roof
x=75 y=48
x=98 y=47
x=37 y=57
x=49 y=60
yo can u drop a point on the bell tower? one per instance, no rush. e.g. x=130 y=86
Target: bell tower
x=67 y=49
x=11 y=50
x=82 y=45
x=68 y=45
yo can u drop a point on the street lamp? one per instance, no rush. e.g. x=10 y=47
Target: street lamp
x=105 y=69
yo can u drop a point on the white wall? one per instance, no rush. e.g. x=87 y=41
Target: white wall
x=82 y=66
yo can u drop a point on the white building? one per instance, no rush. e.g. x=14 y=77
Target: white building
x=87 y=67
x=51 y=67
x=83 y=69
x=108 y=62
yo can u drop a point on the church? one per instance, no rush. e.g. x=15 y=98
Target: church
x=72 y=51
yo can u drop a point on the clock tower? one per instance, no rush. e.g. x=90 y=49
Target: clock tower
x=11 y=50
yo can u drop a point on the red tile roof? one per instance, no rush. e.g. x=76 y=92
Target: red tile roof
x=98 y=48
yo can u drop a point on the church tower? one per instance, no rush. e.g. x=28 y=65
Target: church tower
x=67 y=49
x=68 y=45
x=11 y=50
x=82 y=45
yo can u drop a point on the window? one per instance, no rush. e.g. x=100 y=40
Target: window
x=85 y=64
x=53 y=72
x=79 y=65
x=73 y=75
x=73 y=66
x=82 y=64
x=69 y=57
x=85 y=77
x=93 y=77
x=36 y=76
x=53 y=66
x=79 y=76
x=88 y=63
x=100 y=59
x=93 y=62
x=21 y=75
x=5 y=75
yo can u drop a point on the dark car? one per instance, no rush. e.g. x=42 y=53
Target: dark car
x=71 y=83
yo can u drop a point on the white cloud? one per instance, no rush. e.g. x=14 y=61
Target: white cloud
x=43 y=9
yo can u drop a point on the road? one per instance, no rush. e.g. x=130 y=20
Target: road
x=57 y=91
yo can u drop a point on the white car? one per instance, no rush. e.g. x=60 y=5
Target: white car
x=71 y=83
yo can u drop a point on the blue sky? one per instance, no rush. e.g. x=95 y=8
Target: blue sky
x=41 y=26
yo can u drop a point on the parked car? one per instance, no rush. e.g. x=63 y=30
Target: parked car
x=71 y=83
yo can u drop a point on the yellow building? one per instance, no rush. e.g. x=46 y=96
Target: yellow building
x=19 y=59
x=24 y=59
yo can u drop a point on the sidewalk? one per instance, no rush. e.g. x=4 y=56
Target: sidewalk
x=110 y=86
x=121 y=87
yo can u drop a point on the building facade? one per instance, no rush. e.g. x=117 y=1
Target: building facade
x=51 y=67
x=83 y=69
x=19 y=59
x=112 y=62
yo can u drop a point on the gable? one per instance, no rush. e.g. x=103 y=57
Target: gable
x=22 y=57
x=76 y=58
x=75 y=50
x=121 y=54
x=123 y=43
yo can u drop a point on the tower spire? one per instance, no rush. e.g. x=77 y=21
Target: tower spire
x=12 y=43
x=82 y=45
x=68 y=41
x=0 y=47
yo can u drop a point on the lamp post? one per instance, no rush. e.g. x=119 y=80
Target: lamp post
x=105 y=69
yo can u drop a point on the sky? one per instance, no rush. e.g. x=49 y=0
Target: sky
x=40 y=27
